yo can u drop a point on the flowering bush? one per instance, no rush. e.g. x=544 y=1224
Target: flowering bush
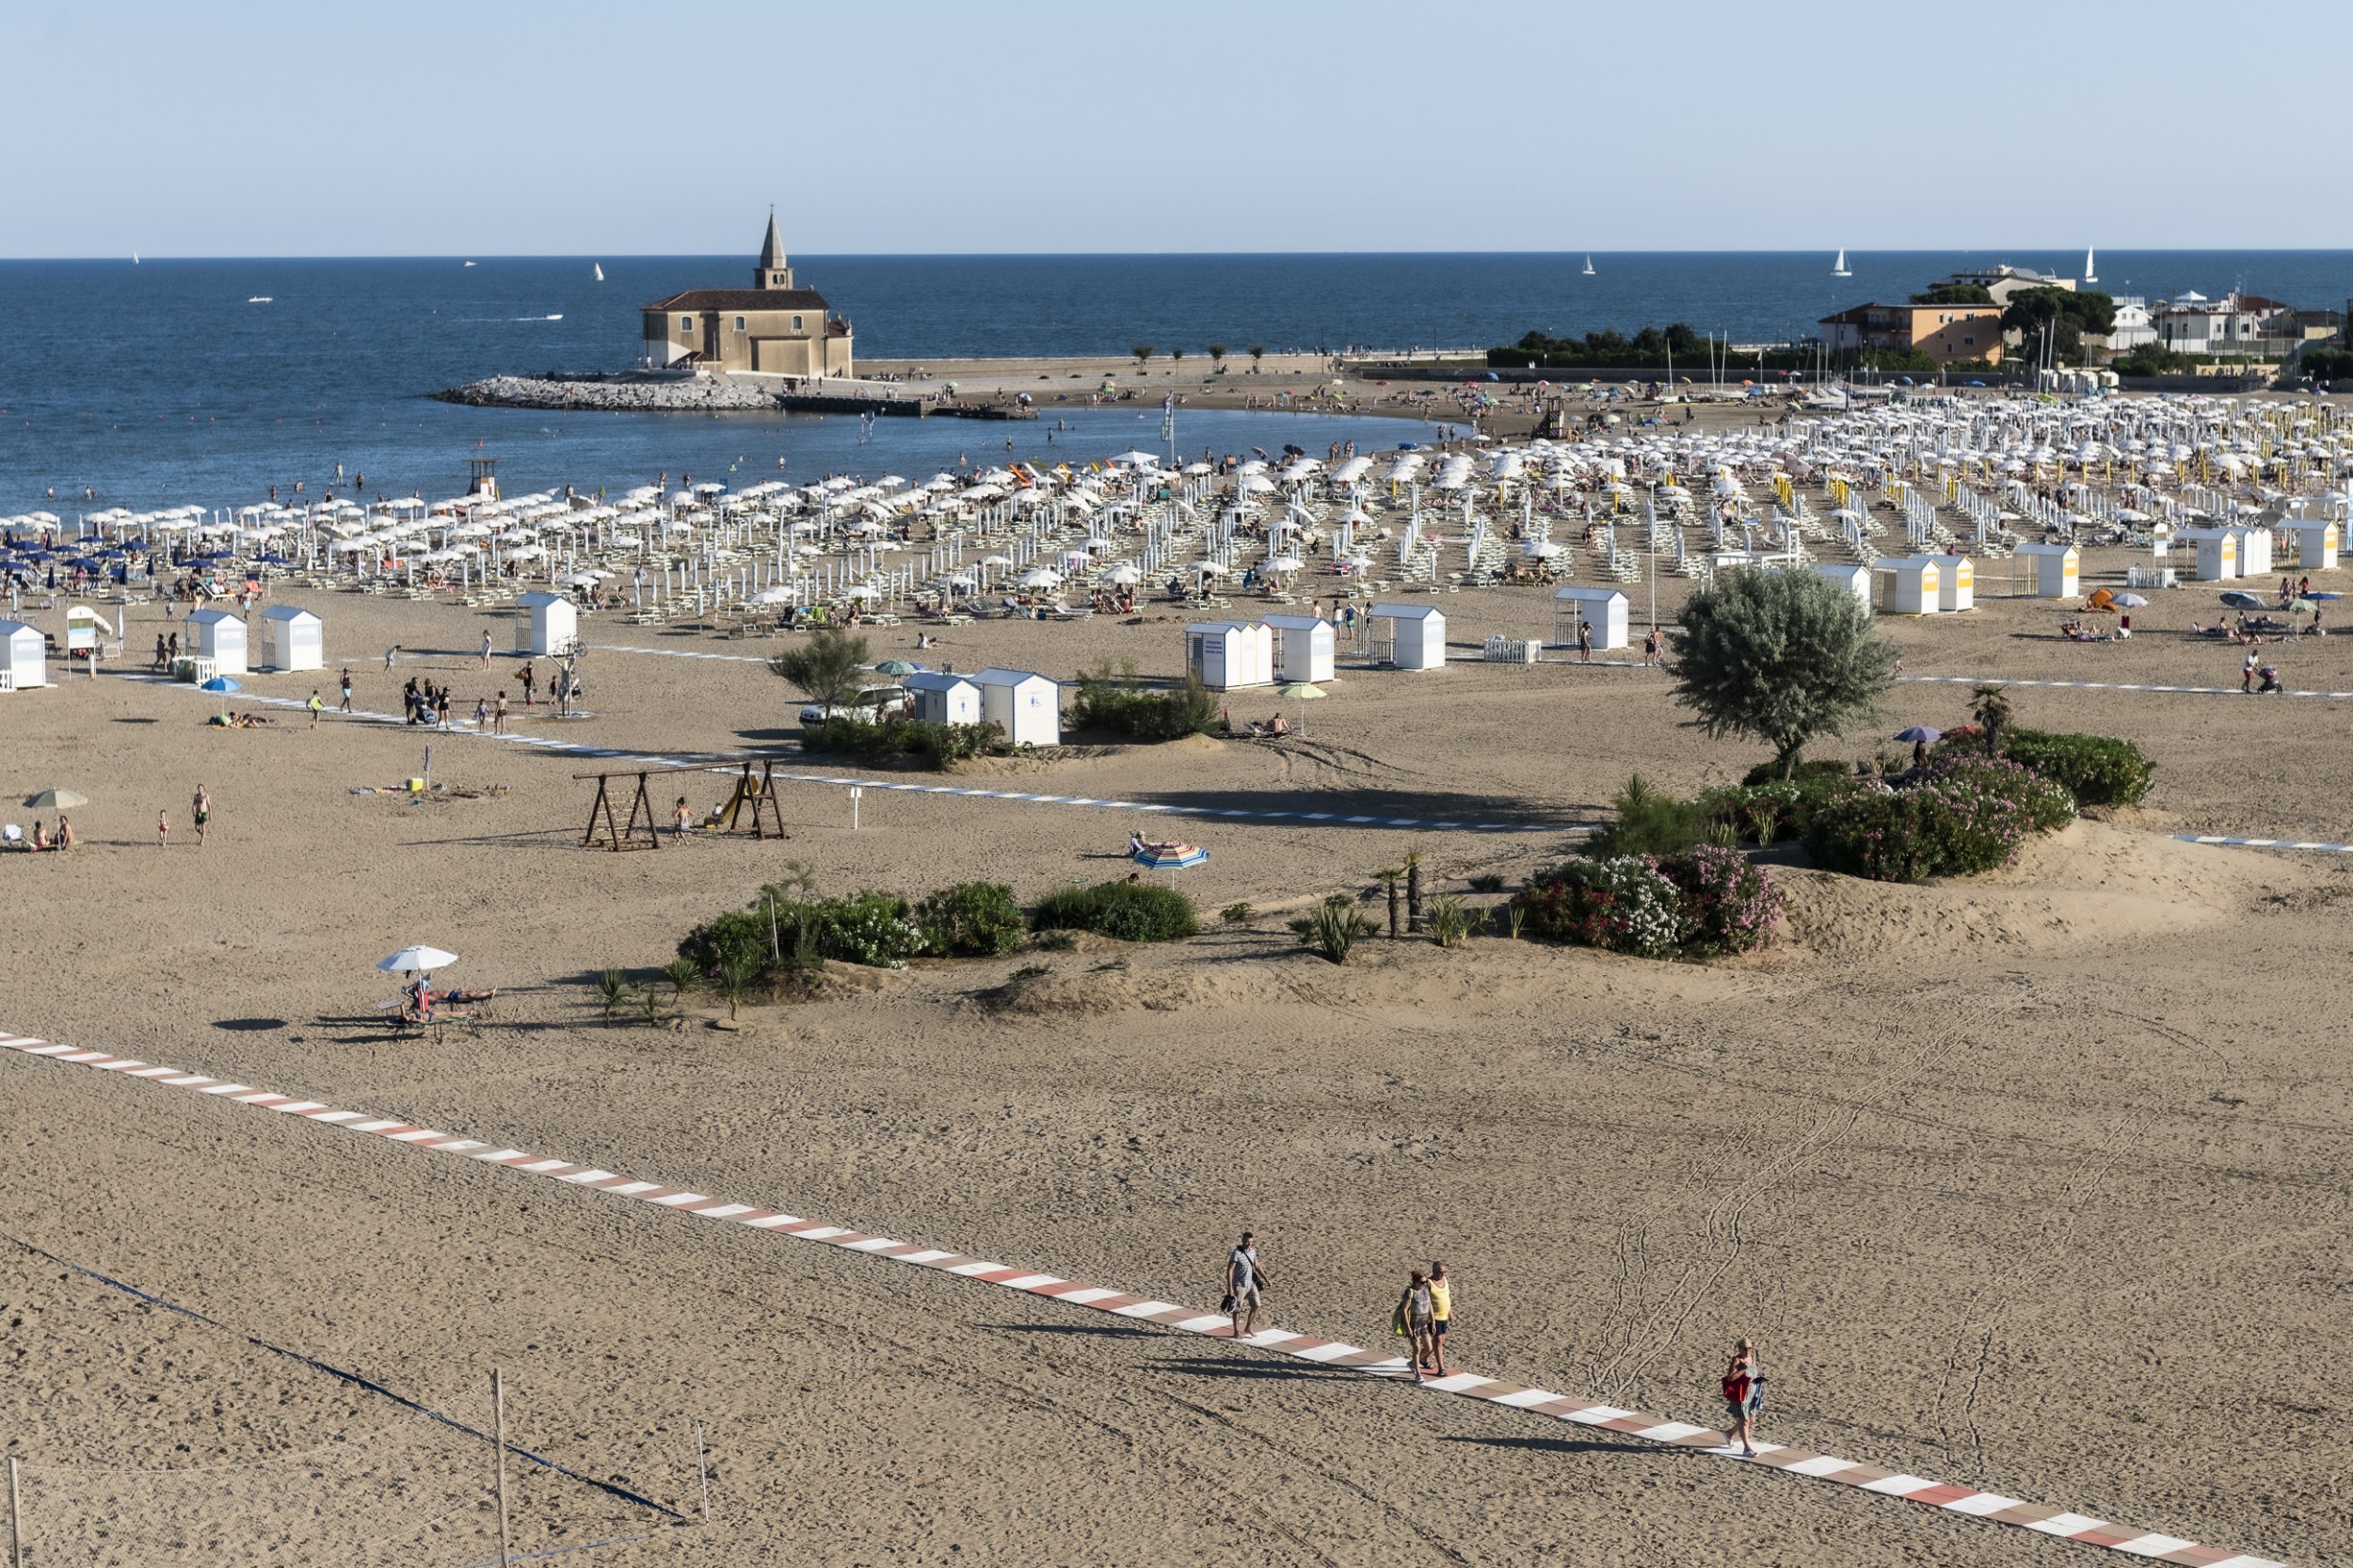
x=1621 y=904
x=1729 y=903
x=1963 y=814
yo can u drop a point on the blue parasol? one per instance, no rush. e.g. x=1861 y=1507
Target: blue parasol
x=1171 y=859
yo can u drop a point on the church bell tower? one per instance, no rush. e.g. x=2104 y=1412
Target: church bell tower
x=772 y=272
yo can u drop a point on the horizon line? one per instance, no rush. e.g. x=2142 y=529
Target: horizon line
x=1137 y=255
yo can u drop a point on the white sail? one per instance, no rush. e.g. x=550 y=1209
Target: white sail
x=1589 y=266
x=2092 y=273
x=1839 y=268
x=599 y=271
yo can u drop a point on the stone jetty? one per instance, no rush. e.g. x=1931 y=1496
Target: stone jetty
x=708 y=394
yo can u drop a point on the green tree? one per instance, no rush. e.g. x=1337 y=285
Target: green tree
x=2061 y=315
x=1257 y=352
x=1176 y=356
x=827 y=668
x=1217 y=355
x=1955 y=293
x=1781 y=656
x=1144 y=352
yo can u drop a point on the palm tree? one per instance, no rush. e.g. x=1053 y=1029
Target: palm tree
x=1176 y=357
x=1144 y=352
x=1991 y=709
x=1389 y=878
x=1217 y=355
x=1257 y=352
x=1412 y=891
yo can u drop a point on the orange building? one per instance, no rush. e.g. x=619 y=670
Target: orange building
x=1946 y=333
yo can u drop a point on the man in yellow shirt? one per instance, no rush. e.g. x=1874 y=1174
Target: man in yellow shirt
x=1441 y=1314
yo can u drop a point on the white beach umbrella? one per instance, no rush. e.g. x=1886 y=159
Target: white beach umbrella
x=421 y=958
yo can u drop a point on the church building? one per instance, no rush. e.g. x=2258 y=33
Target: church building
x=771 y=327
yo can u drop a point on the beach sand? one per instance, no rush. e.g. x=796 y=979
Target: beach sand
x=2032 y=1182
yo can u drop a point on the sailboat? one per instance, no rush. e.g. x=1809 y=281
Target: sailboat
x=1589 y=266
x=135 y=258
x=598 y=270
x=2092 y=274
x=1838 y=268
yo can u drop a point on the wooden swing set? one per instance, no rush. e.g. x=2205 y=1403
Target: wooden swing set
x=750 y=807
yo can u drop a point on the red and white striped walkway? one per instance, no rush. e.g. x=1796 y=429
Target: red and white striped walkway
x=1990 y=1506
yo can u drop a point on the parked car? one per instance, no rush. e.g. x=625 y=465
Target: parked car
x=872 y=705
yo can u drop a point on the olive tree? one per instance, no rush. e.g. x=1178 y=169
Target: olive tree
x=827 y=668
x=1781 y=656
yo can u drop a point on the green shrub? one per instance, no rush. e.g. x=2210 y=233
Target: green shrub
x=971 y=919
x=2098 y=770
x=1451 y=921
x=1236 y=913
x=1057 y=941
x=1648 y=824
x=1487 y=882
x=739 y=932
x=1126 y=911
x=1775 y=810
x=1818 y=767
x=1117 y=701
x=937 y=743
x=1332 y=928
x=1965 y=815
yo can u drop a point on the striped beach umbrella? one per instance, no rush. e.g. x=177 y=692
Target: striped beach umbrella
x=1171 y=859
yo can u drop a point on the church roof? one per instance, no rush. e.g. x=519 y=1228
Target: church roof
x=742 y=299
x=772 y=249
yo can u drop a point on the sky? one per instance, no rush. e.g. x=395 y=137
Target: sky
x=511 y=127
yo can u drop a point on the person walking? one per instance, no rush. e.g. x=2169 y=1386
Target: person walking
x=1245 y=1286
x=2246 y=671
x=498 y=716
x=1653 y=645
x=346 y=688
x=1441 y=1314
x=1416 y=1311
x=1585 y=641
x=202 y=809
x=315 y=706
x=163 y=830
x=680 y=818
x=486 y=650
x=529 y=678
x=1744 y=1395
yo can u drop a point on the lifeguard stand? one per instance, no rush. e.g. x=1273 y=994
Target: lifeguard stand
x=482 y=477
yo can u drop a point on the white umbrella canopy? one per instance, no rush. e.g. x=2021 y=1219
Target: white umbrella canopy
x=1285 y=563
x=418 y=958
x=1125 y=575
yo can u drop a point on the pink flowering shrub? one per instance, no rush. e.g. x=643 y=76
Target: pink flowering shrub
x=1704 y=902
x=1964 y=814
x=1729 y=903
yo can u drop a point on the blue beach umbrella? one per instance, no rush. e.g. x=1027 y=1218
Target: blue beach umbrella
x=222 y=684
x=1171 y=859
x=2244 y=602
x=1921 y=733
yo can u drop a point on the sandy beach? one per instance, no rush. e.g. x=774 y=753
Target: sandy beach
x=2027 y=1183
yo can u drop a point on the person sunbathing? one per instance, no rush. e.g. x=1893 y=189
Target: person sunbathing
x=1277 y=726
x=1139 y=844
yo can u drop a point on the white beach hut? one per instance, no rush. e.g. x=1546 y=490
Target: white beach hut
x=1303 y=648
x=23 y=656
x=2254 y=551
x=2316 y=542
x=1905 y=586
x=2051 y=570
x=2217 y=552
x=216 y=640
x=546 y=623
x=1605 y=609
x=293 y=638
x=1226 y=655
x=1955 y=583
x=1855 y=579
x=1408 y=636
x=1026 y=704
x=943 y=699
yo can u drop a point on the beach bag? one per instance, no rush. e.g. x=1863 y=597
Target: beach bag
x=1397 y=1322
x=1736 y=1390
x=1225 y=1304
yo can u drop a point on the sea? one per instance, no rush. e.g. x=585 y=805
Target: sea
x=163 y=381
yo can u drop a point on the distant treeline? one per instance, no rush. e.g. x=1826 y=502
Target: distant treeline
x=1650 y=348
